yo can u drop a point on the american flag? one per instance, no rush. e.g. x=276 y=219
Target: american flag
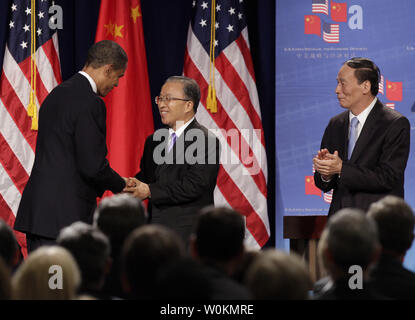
x=331 y=32
x=390 y=105
x=320 y=6
x=328 y=196
x=242 y=178
x=17 y=139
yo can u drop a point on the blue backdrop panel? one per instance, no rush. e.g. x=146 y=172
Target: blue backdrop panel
x=306 y=70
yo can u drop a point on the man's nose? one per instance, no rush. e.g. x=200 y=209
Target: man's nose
x=337 y=90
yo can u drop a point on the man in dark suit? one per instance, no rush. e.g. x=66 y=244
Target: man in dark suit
x=365 y=149
x=70 y=169
x=178 y=174
x=395 y=221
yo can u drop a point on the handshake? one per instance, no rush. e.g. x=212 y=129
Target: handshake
x=136 y=188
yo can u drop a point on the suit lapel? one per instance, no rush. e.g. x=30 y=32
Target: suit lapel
x=367 y=131
x=180 y=141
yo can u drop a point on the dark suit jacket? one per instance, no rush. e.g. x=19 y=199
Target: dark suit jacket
x=70 y=169
x=180 y=188
x=377 y=165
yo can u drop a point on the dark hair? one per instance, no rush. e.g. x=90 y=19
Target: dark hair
x=219 y=234
x=106 y=52
x=8 y=243
x=365 y=69
x=118 y=216
x=191 y=89
x=395 y=221
x=145 y=251
x=352 y=238
x=90 y=248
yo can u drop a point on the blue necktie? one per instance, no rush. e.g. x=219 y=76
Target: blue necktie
x=353 y=136
x=172 y=141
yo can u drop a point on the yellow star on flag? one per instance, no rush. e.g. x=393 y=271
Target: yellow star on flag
x=110 y=28
x=117 y=31
x=135 y=12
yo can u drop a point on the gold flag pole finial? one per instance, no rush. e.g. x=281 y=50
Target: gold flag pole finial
x=31 y=108
x=211 y=103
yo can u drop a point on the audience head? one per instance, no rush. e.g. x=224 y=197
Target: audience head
x=48 y=273
x=118 y=216
x=395 y=221
x=183 y=279
x=219 y=235
x=9 y=249
x=349 y=238
x=277 y=275
x=91 y=250
x=145 y=251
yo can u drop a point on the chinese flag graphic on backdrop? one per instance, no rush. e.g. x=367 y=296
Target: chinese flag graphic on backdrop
x=312 y=25
x=338 y=11
x=394 y=90
x=129 y=109
x=310 y=187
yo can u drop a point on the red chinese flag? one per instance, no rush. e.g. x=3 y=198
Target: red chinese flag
x=312 y=25
x=394 y=90
x=129 y=110
x=310 y=187
x=338 y=11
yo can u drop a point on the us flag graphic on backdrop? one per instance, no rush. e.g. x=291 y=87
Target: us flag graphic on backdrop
x=320 y=6
x=17 y=139
x=242 y=182
x=331 y=32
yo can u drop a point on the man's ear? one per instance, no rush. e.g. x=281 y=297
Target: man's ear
x=107 y=69
x=189 y=106
x=366 y=87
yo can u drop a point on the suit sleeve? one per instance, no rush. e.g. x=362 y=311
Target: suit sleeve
x=390 y=168
x=198 y=179
x=91 y=149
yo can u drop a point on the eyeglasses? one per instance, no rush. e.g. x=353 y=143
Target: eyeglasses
x=167 y=99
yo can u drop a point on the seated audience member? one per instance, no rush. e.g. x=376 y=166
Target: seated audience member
x=91 y=250
x=5 y=281
x=248 y=258
x=276 y=275
x=183 y=280
x=218 y=244
x=395 y=221
x=117 y=217
x=48 y=273
x=146 y=250
x=349 y=245
x=9 y=249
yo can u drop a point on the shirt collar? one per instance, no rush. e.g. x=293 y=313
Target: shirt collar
x=364 y=114
x=91 y=81
x=181 y=129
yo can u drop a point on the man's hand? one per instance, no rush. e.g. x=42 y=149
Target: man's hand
x=137 y=188
x=327 y=164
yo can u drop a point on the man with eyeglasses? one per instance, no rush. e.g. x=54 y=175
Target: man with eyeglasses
x=365 y=149
x=180 y=163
